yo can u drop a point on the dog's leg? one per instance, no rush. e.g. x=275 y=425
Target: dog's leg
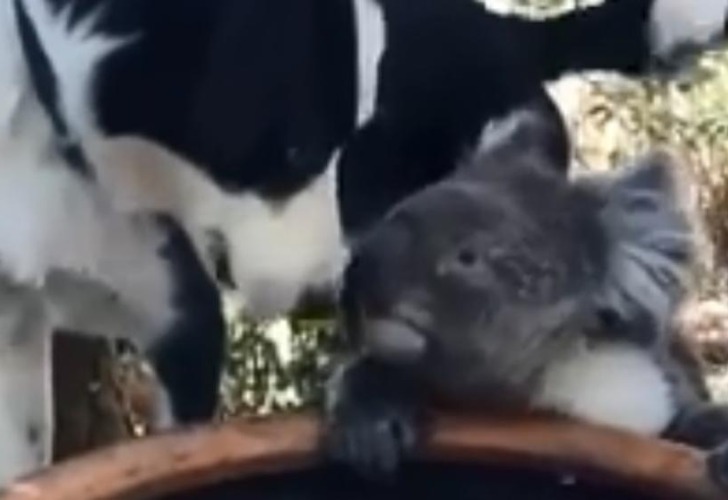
x=26 y=403
x=148 y=287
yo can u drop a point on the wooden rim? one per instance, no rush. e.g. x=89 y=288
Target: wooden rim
x=186 y=459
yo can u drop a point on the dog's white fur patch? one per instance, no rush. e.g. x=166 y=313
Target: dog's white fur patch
x=13 y=74
x=615 y=385
x=53 y=221
x=371 y=41
x=276 y=251
x=54 y=224
x=678 y=22
x=74 y=51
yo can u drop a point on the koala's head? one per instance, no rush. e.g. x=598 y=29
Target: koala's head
x=482 y=280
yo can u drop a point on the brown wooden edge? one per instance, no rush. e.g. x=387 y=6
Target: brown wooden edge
x=182 y=460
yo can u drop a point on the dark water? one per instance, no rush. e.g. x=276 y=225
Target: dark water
x=421 y=482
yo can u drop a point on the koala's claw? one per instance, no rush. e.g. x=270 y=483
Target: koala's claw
x=718 y=466
x=372 y=418
x=373 y=442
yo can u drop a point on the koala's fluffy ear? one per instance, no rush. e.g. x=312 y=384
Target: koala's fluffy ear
x=532 y=135
x=650 y=239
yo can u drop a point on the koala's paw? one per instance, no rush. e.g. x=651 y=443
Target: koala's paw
x=718 y=466
x=370 y=430
x=373 y=440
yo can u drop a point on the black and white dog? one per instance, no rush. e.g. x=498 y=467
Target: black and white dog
x=149 y=146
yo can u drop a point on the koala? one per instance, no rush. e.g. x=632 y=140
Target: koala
x=509 y=285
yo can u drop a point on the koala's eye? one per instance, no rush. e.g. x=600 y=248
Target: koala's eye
x=467 y=260
x=463 y=262
x=467 y=257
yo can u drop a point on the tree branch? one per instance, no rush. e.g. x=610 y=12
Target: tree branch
x=181 y=460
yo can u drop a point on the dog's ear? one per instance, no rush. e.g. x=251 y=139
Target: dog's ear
x=532 y=136
x=142 y=176
x=650 y=237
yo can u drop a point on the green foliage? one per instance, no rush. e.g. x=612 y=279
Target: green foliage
x=276 y=367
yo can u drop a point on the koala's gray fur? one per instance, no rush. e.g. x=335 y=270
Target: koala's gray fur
x=510 y=284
